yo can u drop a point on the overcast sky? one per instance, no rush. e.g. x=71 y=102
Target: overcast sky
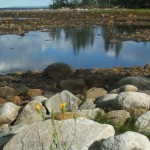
x=12 y=3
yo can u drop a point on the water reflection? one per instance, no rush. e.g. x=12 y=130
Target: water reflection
x=80 y=38
x=79 y=47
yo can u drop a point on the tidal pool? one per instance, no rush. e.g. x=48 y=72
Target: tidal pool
x=79 y=47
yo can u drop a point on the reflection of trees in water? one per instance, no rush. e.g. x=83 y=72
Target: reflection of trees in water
x=55 y=33
x=109 y=42
x=81 y=38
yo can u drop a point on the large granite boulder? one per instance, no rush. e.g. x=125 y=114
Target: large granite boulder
x=73 y=85
x=55 y=101
x=130 y=100
x=73 y=134
x=7 y=133
x=143 y=122
x=126 y=141
x=29 y=113
x=58 y=70
x=8 y=113
x=140 y=82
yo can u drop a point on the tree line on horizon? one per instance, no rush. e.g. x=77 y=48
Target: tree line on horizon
x=101 y=3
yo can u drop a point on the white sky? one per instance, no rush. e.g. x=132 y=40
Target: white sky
x=12 y=3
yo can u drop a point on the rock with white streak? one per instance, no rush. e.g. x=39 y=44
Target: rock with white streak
x=74 y=134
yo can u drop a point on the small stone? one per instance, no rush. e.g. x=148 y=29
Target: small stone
x=34 y=92
x=8 y=113
x=95 y=93
x=2 y=101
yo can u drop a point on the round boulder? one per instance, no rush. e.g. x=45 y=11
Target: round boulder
x=8 y=113
x=127 y=141
x=94 y=93
x=125 y=88
x=58 y=70
x=130 y=100
x=140 y=82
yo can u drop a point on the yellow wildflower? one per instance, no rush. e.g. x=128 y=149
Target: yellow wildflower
x=63 y=105
x=38 y=107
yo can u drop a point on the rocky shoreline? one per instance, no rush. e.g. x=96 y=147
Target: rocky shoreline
x=99 y=101
x=113 y=95
x=21 y=22
x=76 y=81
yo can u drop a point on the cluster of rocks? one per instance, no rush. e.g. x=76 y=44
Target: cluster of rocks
x=48 y=19
x=140 y=35
x=22 y=127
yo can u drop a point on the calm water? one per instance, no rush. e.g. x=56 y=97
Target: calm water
x=79 y=47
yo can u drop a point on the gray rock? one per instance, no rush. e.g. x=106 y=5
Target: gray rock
x=107 y=101
x=58 y=70
x=91 y=113
x=125 y=88
x=143 y=122
x=7 y=91
x=38 y=136
x=87 y=105
x=95 y=92
x=118 y=117
x=39 y=98
x=140 y=82
x=94 y=81
x=73 y=85
x=129 y=100
x=7 y=133
x=8 y=113
x=29 y=113
x=55 y=101
x=145 y=91
x=126 y=141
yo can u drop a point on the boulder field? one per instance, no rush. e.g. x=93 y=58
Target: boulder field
x=60 y=109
